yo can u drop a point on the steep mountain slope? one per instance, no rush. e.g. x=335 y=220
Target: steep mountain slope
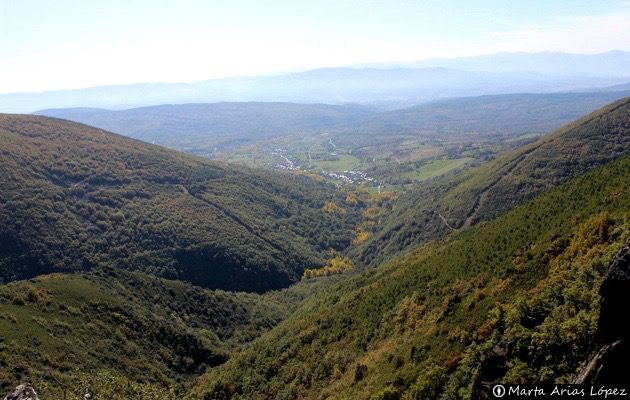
x=438 y=207
x=201 y=127
x=513 y=300
x=143 y=327
x=73 y=198
x=110 y=329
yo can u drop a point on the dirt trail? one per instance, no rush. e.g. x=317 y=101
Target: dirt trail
x=446 y=221
x=482 y=198
x=236 y=219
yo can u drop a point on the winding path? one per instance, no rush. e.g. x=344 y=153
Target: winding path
x=445 y=221
x=482 y=198
x=234 y=217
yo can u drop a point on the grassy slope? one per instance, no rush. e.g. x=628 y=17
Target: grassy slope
x=427 y=324
x=129 y=326
x=128 y=334
x=471 y=196
x=74 y=197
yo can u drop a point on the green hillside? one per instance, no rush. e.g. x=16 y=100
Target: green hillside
x=115 y=328
x=74 y=198
x=486 y=275
x=437 y=207
x=511 y=300
x=122 y=322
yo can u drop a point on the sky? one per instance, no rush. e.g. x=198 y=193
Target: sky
x=63 y=44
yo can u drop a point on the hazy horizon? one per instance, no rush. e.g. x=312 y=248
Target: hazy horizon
x=386 y=64
x=66 y=45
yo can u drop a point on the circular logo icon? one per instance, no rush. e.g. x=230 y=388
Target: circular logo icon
x=498 y=391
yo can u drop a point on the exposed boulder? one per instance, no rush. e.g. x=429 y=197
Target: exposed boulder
x=492 y=368
x=615 y=299
x=610 y=364
x=22 y=392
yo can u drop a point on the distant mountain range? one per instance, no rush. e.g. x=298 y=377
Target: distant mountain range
x=205 y=128
x=613 y=63
x=386 y=86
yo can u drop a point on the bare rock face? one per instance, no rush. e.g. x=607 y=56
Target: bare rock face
x=22 y=392
x=610 y=364
x=615 y=299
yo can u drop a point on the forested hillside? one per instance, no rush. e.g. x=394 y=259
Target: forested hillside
x=75 y=198
x=125 y=334
x=512 y=300
x=122 y=323
x=248 y=200
x=508 y=292
x=452 y=202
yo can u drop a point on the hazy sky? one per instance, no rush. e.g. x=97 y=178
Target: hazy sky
x=56 y=44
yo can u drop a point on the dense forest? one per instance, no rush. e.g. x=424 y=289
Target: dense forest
x=521 y=291
x=74 y=198
x=451 y=202
x=112 y=328
x=380 y=200
x=133 y=271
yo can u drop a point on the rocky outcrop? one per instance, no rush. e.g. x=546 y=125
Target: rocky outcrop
x=26 y=392
x=22 y=392
x=615 y=299
x=492 y=368
x=610 y=365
